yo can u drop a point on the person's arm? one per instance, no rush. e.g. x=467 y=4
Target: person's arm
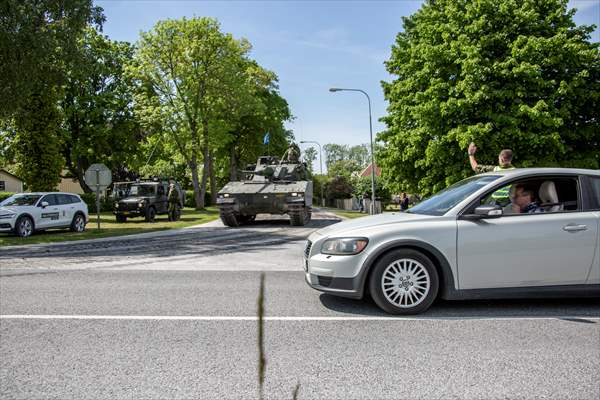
x=474 y=165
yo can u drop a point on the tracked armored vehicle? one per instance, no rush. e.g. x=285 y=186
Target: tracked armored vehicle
x=272 y=187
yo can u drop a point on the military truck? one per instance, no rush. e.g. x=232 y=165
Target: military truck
x=142 y=198
x=271 y=187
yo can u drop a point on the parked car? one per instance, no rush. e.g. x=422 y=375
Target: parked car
x=25 y=213
x=144 y=198
x=469 y=241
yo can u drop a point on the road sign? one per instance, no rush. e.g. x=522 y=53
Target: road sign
x=98 y=177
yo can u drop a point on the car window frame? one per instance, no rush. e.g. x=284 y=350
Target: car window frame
x=591 y=202
x=579 y=187
x=43 y=198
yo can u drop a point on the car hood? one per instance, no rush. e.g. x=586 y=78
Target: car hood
x=133 y=199
x=12 y=209
x=354 y=225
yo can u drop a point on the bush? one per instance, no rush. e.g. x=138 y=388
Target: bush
x=5 y=195
x=106 y=203
x=190 y=202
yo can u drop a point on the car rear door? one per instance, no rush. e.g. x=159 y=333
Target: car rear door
x=67 y=208
x=522 y=250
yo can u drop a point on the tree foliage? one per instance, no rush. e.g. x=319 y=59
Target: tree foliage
x=38 y=142
x=99 y=125
x=38 y=43
x=502 y=73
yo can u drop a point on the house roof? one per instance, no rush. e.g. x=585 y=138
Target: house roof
x=8 y=173
x=367 y=171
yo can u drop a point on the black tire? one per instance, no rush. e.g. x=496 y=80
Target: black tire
x=121 y=218
x=150 y=214
x=24 y=227
x=417 y=290
x=78 y=223
x=300 y=216
x=245 y=219
x=228 y=218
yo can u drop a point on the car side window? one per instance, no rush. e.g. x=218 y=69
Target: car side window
x=64 y=199
x=51 y=199
x=595 y=186
x=161 y=190
x=536 y=195
x=74 y=199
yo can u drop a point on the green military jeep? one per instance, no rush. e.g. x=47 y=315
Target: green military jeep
x=143 y=198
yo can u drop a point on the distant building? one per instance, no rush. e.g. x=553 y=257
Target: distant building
x=10 y=182
x=69 y=185
x=367 y=170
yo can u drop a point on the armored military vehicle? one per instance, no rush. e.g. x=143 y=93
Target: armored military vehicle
x=272 y=187
x=143 y=198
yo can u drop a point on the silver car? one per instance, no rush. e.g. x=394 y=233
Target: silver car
x=512 y=234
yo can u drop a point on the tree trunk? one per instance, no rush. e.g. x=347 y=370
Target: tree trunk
x=213 y=179
x=206 y=155
x=197 y=197
x=233 y=176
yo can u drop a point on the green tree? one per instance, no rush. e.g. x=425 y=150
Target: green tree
x=38 y=43
x=345 y=168
x=360 y=154
x=38 y=143
x=186 y=71
x=310 y=155
x=501 y=73
x=97 y=105
x=335 y=152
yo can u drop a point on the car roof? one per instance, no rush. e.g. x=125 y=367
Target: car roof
x=44 y=193
x=544 y=171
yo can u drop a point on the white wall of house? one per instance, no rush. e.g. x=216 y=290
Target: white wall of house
x=10 y=183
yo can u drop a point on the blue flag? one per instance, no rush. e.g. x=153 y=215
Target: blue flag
x=266 y=138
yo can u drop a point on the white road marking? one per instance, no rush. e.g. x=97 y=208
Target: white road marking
x=253 y=318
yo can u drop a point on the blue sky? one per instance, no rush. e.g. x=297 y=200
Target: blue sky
x=311 y=46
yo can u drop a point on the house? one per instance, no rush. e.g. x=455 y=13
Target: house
x=69 y=185
x=367 y=170
x=10 y=182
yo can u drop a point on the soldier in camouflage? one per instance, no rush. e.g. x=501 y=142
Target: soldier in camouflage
x=174 y=207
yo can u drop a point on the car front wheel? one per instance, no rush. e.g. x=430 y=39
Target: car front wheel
x=24 y=227
x=404 y=281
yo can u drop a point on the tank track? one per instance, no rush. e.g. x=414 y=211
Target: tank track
x=299 y=214
x=228 y=217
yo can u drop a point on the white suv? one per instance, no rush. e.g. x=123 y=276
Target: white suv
x=24 y=213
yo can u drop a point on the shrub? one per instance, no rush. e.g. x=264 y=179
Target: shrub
x=190 y=202
x=106 y=203
x=5 y=195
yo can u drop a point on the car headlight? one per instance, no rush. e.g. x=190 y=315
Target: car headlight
x=141 y=203
x=294 y=194
x=344 y=246
x=116 y=205
x=226 y=195
x=6 y=216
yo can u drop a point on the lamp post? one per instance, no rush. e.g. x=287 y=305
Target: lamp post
x=372 y=208
x=321 y=164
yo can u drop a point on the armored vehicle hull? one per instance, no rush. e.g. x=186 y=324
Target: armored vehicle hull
x=272 y=188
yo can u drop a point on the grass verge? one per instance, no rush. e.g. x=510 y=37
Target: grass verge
x=109 y=227
x=345 y=213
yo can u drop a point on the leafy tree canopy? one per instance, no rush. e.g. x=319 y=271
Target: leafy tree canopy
x=38 y=43
x=502 y=73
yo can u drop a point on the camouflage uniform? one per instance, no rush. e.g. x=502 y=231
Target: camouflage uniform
x=174 y=206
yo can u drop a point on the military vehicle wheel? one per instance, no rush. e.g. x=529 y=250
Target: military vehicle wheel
x=228 y=218
x=150 y=214
x=121 y=218
x=299 y=216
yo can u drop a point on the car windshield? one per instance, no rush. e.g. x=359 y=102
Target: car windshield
x=441 y=202
x=142 y=190
x=21 y=200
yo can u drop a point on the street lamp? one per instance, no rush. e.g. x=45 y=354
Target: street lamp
x=372 y=208
x=320 y=162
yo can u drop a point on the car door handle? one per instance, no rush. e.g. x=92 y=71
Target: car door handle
x=574 y=228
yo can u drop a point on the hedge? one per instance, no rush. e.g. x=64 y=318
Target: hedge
x=5 y=195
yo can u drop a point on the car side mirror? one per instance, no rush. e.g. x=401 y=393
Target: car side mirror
x=485 y=211
x=45 y=204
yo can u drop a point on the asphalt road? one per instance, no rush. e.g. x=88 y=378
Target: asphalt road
x=173 y=316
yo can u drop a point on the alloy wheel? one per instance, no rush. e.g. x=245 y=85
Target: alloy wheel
x=405 y=283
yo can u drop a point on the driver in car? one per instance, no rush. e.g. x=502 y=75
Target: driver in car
x=524 y=201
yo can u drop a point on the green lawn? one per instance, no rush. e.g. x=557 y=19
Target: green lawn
x=345 y=213
x=109 y=227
